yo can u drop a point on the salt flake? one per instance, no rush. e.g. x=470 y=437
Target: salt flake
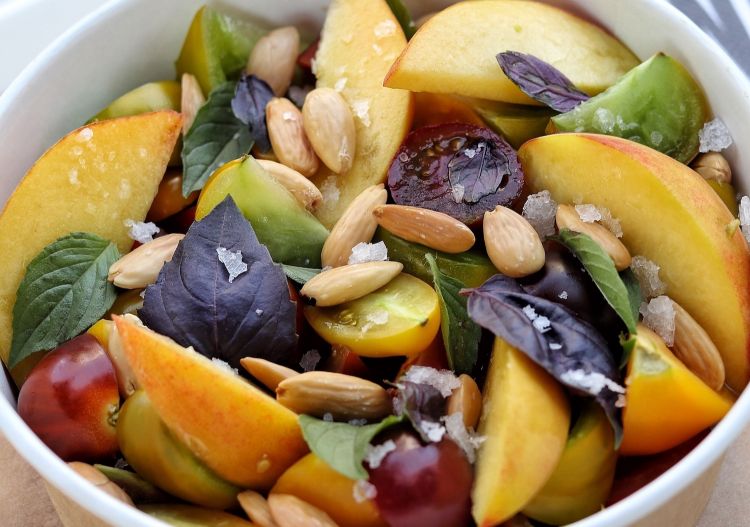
x=563 y=295
x=539 y=210
x=610 y=222
x=361 y=109
x=464 y=438
x=141 y=232
x=368 y=252
x=714 y=136
x=745 y=217
x=232 y=261
x=458 y=191
x=330 y=190
x=588 y=213
x=647 y=273
x=540 y=322
x=309 y=360
x=363 y=491
x=376 y=454
x=442 y=380
x=340 y=84
x=659 y=315
x=84 y=135
x=432 y=431
x=224 y=365
x=591 y=382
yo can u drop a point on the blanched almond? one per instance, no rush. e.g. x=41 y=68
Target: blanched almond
x=274 y=57
x=713 y=166
x=329 y=125
x=126 y=381
x=427 y=227
x=141 y=266
x=290 y=511
x=256 y=507
x=288 y=138
x=512 y=243
x=298 y=185
x=267 y=372
x=568 y=218
x=696 y=350
x=343 y=396
x=356 y=225
x=343 y=284
x=191 y=101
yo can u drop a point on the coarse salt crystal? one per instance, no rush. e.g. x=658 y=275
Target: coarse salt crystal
x=539 y=210
x=659 y=315
x=604 y=120
x=376 y=454
x=357 y=422
x=554 y=346
x=328 y=417
x=340 y=84
x=432 y=431
x=385 y=28
x=540 y=322
x=363 y=491
x=442 y=380
x=458 y=192
x=330 y=190
x=647 y=273
x=563 y=295
x=465 y=439
x=590 y=382
x=588 y=213
x=140 y=231
x=745 y=217
x=361 y=109
x=714 y=136
x=224 y=365
x=232 y=261
x=470 y=153
x=259 y=312
x=610 y=222
x=309 y=360
x=289 y=116
x=84 y=135
x=368 y=252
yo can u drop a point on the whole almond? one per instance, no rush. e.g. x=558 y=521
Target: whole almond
x=512 y=243
x=99 y=480
x=329 y=125
x=428 y=227
x=288 y=138
x=298 y=185
x=256 y=507
x=191 y=101
x=126 y=381
x=141 y=266
x=343 y=396
x=290 y=511
x=466 y=399
x=349 y=282
x=356 y=225
x=713 y=166
x=696 y=350
x=267 y=372
x=274 y=58
x=567 y=217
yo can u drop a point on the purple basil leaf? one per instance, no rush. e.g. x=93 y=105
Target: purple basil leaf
x=420 y=403
x=249 y=106
x=480 y=168
x=541 y=81
x=194 y=303
x=571 y=350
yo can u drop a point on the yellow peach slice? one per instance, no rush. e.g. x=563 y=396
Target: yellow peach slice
x=239 y=432
x=313 y=481
x=360 y=41
x=666 y=404
x=525 y=418
x=454 y=52
x=670 y=215
x=92 y=180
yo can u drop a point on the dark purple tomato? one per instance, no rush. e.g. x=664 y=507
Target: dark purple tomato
x=423 y=484
x=459 y=169
x=564 y=280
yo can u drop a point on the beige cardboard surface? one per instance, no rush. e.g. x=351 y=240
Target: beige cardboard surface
x=24 y=501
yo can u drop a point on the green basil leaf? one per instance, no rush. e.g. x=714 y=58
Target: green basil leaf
x=628 y=345
x=301 y=275
x=635 y=296
x=401 y=12
x=461 y=335
x=602 y=270
x=216 y=136
x=64 y=291
x=341 y=445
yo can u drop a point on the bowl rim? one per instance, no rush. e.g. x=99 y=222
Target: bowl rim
x=632 y=508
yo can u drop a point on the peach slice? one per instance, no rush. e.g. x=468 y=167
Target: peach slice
x=239 y=432
x=313 y=481
x=666 y=403
x=360 y=41
x=525 y=419
x=670 y=215
x=92 y=180
x=454 y=52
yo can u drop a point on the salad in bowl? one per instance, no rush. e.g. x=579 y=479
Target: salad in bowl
x=453 y=277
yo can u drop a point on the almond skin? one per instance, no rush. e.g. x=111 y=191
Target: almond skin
x=466 y=399
x=696 y=350
x=329 y=125
x=274 y=57
x=267 y=372
x=512 y=243
x=288 y=138
x=298 y=185
x=356 y=225
x=343 y=284
x=433 y=229
x=713 y=166
x=567 y=217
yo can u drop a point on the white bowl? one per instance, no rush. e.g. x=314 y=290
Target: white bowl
x=129 y=42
